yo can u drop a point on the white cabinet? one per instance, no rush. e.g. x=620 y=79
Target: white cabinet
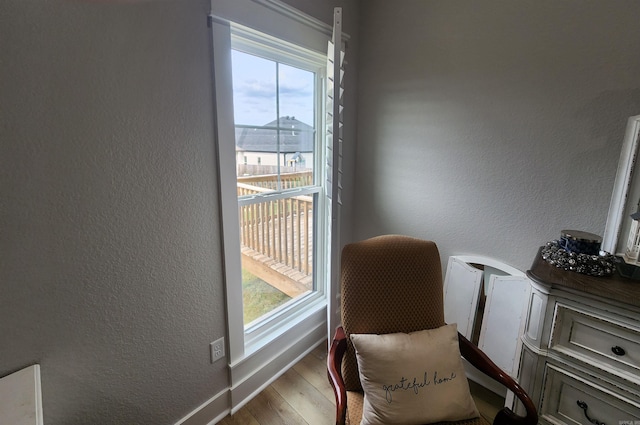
x=580 y=358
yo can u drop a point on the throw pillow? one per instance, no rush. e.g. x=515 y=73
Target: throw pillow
x=414 y=378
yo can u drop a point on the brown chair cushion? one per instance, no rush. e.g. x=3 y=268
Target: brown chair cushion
x=400 y=273
x=355 y=405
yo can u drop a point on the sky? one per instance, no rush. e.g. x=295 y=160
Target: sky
x=254 y=90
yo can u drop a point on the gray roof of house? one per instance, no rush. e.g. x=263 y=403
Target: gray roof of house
x=295 y=136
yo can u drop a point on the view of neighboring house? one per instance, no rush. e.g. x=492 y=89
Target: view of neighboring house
x=286 y=142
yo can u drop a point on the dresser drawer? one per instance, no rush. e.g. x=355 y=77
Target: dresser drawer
x=599 y=342
x=571 y=399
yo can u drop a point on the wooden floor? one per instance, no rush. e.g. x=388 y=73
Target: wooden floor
x=302 y=395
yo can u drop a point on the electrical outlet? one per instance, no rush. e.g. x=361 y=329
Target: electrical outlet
x=217 y=349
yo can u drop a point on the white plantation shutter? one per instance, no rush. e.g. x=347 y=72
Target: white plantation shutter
x=334 y=120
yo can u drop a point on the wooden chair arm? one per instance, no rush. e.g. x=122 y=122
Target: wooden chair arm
x=484 y=364
x=334 y=371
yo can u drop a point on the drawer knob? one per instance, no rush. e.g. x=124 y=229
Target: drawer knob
x=618 y=351
x=585 y=407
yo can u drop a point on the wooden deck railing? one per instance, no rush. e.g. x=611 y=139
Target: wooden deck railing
x=270 y=181
x=279 y=229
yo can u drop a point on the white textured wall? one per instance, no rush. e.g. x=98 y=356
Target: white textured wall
x=489 y=126
x=110 y=258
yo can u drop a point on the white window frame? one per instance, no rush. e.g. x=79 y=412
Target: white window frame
x=262 y=331
x=258 y=357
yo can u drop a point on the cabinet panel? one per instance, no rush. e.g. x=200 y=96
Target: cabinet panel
x=597 y=341
x=537 y=305
x=530 y=369
x=571 y=399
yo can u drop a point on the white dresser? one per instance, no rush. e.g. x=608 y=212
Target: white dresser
x=580 y=358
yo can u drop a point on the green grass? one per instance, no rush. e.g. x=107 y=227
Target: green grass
x=259 y=297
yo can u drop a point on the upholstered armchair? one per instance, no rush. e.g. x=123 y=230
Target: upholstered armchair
x=393 y=284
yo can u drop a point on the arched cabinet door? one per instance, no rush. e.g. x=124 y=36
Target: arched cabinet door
x=503 y=320
x=488 y=300
x=461 y=293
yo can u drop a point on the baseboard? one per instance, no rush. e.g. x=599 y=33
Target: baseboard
x=210 y=412
x=269 y=365
x=256 y=373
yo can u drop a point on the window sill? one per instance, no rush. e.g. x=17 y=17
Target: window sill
x=288 y=322
x=272 y=353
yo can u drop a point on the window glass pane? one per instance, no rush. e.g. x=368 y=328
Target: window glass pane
x=295 y=91
x=274 y=107
x=254 y=89
x=259 y=146
x=278 y=146
x=277 y=254
x=296 y=102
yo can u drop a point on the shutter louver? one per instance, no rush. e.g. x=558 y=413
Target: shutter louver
x=334 y=134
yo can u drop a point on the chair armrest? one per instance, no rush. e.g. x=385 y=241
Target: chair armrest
x=334 y=369
x=484 y=364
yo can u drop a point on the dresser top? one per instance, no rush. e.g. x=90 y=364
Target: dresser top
x=614 y=287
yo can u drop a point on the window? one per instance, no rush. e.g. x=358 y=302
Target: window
x=275 y=128
x=277 y=99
